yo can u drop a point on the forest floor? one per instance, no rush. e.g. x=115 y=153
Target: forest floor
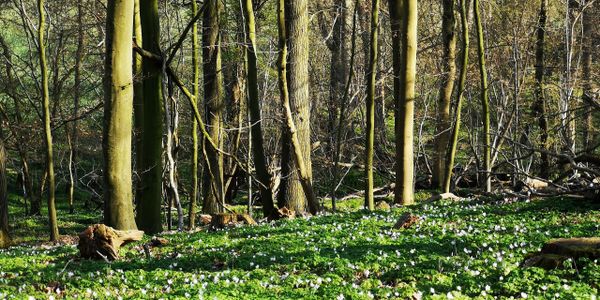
x=465 y=249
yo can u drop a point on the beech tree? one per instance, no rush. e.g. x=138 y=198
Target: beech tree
x=4 y=235
x=403 y=18
x=371 y=90
x=118 y=113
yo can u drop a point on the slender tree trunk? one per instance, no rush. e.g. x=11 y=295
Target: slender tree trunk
x=449 y=74
x=47 y=123
x=298 y=189
x=403 y=16
x=74 y=139
x=196 y=91
x=371 y=91
x=149 y=203
x=138 y=102
x=540 y=105
x=587 y=84
x=484 y=100
x=4 y=232
x=258 y=151
x=213 y=97
x=461 y=89
x=118 y=112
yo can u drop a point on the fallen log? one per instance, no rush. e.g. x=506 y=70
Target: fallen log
x=102 y=242
x=555 y=252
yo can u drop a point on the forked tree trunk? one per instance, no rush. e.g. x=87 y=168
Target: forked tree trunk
x=461 y=89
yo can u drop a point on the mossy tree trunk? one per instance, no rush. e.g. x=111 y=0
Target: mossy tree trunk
x=196 y=90
x=461 y=89
x=258 y=151
x=52 y=221
x=448 y=78
x=213 y=191
x=403 y=15
x=138 y=100
x=588 y=84
x=371 y=90
x=485 y=106
x=150 y=199
x=118 y=113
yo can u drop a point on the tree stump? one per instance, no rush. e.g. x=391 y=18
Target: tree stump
x=382 y=205
x=226 y=220
x=406 y=221
x=283 y=213
x=555 y=252
x=102 y=242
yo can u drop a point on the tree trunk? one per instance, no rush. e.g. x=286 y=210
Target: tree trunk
x=258 y=151
x=296 y=28
x=371 y=90
x=587 y=84
x=47 y=123
x=448 y=78
x=461 y=89
x=196 y=91
x=4 y=235
x=213 y=97
x=138 y=102
x=484 y=100
x=540 y=105
x=149 y=202
x=118 y=111
x=297 y=189
x=403 y=16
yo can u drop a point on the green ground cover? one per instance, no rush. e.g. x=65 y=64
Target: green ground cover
x=467 y=249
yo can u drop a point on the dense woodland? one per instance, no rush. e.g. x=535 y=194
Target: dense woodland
x=165 y=116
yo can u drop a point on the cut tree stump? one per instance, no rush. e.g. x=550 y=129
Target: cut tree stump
x=226 y=220
x=406 y=221
x=555 y=252
x=103 y=243
x=382 y=205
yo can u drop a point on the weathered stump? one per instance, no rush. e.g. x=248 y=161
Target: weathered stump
x=102 y=242
x=382 y=205
x=226 y=219
x=555 y=252
x=283 y=213
x=406 y=221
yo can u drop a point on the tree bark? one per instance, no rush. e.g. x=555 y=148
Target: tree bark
x=196 y=91
x=52 y=221
x=448 y=78
x=297 y=189
x=587 y=83
x=118 y=111
x=403 y=16
x=371 y=90
x=461 y=89
x=213 y=97
x=149 y=202
x=258 y=151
